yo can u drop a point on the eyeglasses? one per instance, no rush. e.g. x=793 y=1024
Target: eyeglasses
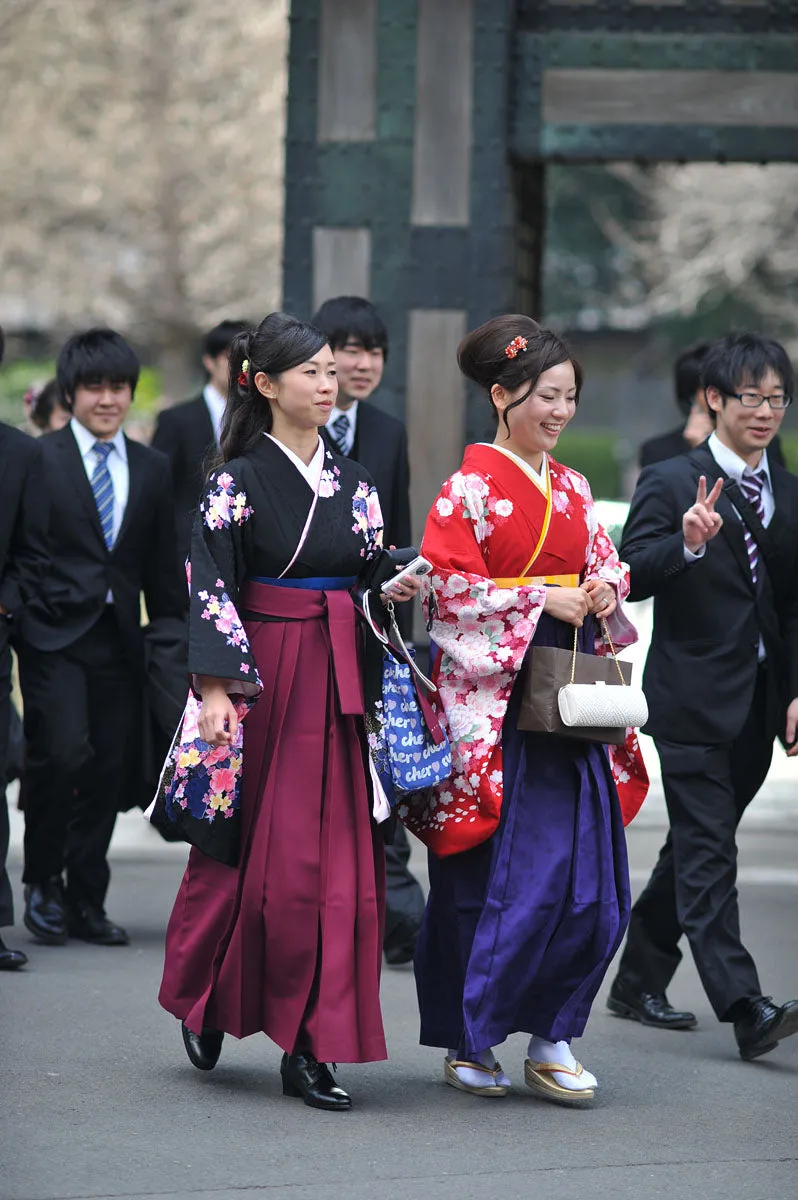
x=777 y=401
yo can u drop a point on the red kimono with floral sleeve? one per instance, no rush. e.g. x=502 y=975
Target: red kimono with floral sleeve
x=496 y=520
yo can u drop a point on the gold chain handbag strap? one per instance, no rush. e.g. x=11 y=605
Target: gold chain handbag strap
x=611 y=646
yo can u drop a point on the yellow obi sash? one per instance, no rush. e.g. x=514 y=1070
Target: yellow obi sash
x=570 y=581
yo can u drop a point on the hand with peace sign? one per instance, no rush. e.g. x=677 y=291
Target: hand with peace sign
x=700 y=523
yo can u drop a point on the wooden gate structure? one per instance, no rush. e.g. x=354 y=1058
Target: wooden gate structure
x=418 y=135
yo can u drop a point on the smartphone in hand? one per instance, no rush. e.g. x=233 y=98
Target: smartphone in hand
x=416 y=569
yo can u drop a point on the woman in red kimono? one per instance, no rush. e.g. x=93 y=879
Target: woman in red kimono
x=529 y=894
x=288 y=941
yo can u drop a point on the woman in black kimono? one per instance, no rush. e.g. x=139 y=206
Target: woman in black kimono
x=288 y=941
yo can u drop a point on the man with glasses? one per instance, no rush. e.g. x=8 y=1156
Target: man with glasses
x=697 y=424
x=713 y=537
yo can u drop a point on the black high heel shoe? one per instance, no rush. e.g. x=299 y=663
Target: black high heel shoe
x=202 y=1048
x=306 y=1078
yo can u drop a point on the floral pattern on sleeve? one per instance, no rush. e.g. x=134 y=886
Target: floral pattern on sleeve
x=469 y=496
x=367 y=516
x=225 y=504
x=483 y=632
x=220 y=609
x=205 y=780
x=218 y=643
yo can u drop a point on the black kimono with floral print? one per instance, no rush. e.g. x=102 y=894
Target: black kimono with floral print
x=249 y=524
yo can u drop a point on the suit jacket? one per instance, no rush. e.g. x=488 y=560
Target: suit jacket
x=17 y=451
x=67 y=570
x=668 y=445
x=708 y=615
x=185 y=434
x=381 y=446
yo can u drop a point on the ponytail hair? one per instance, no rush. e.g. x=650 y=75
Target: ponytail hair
x=279 y=343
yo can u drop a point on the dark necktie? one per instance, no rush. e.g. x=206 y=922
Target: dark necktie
x=103 y=488
x=339 y=432
x=752 y=486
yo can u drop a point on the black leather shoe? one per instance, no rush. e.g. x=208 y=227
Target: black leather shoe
x=203 y=1048
x=764 y=1026
x=45 y=915
x=647 y=1008
x=304 y=1076
x=11 y=960
x=90 y=924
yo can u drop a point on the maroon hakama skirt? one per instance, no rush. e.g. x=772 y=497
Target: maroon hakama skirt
x=289 y=942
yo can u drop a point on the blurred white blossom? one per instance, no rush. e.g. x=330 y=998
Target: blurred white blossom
x=141 y=166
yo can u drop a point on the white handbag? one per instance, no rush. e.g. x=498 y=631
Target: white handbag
x=595 y=705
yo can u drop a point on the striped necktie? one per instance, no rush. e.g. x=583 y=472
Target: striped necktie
x=752 y=485
x=103 y=488
x=339 y=432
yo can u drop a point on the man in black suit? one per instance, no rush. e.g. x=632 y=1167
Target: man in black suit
x=189 y=431
x=359 y=341
x=16 y=451
x=721 y=681
x=97 y=532
x=692 y=403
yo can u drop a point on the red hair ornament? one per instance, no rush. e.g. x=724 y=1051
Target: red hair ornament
x=516 y=346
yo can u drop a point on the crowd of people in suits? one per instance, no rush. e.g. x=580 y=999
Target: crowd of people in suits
x=92 y=653
x=93 y=524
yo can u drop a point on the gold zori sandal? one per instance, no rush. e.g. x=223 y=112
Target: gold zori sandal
x=490 y=1087
x=539 y=1077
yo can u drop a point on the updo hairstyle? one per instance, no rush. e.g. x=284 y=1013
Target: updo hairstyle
x=279 y=343
x=483 y=357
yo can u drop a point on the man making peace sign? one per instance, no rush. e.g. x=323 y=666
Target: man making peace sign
x=721 y=682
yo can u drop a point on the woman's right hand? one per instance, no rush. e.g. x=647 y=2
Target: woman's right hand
x=218 y=719
x=567 y=604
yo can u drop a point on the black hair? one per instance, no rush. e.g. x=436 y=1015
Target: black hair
x=742 y=360
x=687 y=375
x=482 y=357
x=44 y=403
x=220 y=338
x=279 y=343
x=94 y=357
x=347 y=317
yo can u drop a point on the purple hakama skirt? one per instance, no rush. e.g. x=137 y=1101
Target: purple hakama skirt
x=519 y=932
x=289 y=942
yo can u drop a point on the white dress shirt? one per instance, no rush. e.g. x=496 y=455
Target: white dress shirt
x=351 y=422
x=117 y=467
x=216 y=404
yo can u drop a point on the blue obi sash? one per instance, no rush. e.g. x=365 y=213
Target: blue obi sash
x=317 y=583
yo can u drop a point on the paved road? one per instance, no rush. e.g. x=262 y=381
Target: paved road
x=98 y=1100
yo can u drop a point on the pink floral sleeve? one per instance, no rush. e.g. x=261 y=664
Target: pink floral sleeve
x=218 y=643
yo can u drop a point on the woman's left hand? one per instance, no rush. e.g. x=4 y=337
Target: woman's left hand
x=401 y=591
x=603 y=597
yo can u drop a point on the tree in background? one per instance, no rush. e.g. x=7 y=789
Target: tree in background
x=715 y=234
x=141 y=167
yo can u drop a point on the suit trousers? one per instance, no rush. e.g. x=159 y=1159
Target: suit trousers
x=6 y=899
x=693 y=888
x=404 y=899
x=83 y=710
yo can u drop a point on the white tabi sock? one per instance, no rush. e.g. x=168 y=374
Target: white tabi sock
x=539 y=1050
x=475 y=1078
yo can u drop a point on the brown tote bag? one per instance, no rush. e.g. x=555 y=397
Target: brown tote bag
x=548 y=669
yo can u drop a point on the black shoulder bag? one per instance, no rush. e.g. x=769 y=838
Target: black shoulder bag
x=759 y=533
